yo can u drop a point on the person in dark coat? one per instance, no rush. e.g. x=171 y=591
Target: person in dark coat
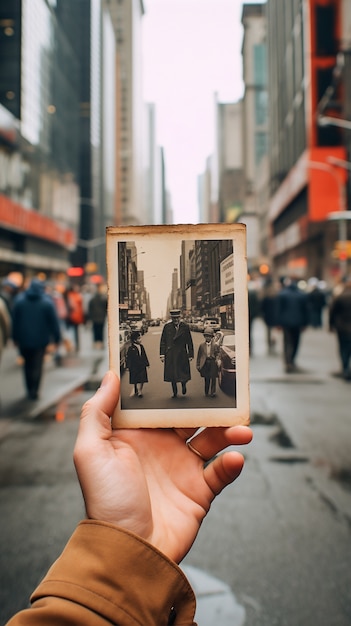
x=136 y=363
x=292 y=317
x=316 y=303
x=35 y=325
x=206 y=362
x=254 y=308
x=8 y=292
x=269 y=311
x=97 y=311
x=176 y=352
x=340 y=321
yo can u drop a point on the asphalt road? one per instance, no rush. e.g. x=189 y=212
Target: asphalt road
x=158 y=394
x=279 y=537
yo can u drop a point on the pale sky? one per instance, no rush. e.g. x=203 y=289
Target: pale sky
x=191 y=50
x=158 y=259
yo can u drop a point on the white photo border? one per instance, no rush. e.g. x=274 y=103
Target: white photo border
x=183 y=417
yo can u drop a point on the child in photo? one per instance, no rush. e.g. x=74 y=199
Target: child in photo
x=206 y=362
x=137 y=362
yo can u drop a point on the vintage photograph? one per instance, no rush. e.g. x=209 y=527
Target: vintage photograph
x=178 y=324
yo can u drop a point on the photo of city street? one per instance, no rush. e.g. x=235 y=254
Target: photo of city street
x=170 y=301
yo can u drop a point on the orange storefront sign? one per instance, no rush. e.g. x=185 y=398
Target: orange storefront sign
x=15 y=217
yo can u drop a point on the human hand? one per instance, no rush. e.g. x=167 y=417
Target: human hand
x=147 y=480
x=162 y=358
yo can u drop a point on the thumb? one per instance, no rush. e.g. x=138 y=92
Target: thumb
x=97 y=411
x=223 y=470
x=106 y=397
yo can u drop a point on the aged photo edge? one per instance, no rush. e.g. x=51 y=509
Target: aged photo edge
x=196 y=417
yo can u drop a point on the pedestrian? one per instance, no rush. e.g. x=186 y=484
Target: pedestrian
x=136 y=363
x=254 y=309
x=176 y=352
x=58 y=298
x=206 y=362
x=5 y=325
x=316 y=302
x=8 y=292
x=268 y=299
x=97 y=311
x=35 y=326
x=292 y=317
x=76 y=315
x=340 y=321
x=146 y=492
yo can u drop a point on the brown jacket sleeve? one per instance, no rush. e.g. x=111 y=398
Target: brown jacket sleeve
x=107 y=575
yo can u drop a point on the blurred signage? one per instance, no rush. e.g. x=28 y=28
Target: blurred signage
x=227 y=276
x=75 y=272
x=342 y=250
x=30 y=222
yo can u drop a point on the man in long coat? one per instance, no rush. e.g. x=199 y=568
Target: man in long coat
x=292 y=317
x=340 y=321
x=176 y=352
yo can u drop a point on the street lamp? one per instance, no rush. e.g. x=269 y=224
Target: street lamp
x=327 y=120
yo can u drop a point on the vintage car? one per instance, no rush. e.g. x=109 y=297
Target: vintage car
x=227 y=364
x=212 y=322
x=124 y=343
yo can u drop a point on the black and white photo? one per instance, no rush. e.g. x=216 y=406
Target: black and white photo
x=178 y=306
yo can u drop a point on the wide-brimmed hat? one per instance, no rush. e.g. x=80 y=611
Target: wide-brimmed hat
x=175 y=313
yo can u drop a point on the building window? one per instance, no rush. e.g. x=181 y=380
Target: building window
x=260 y=146
x=260 y=65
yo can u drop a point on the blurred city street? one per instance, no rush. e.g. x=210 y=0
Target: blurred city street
x=287 y=518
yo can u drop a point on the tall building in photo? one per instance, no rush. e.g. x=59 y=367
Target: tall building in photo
x=307 y=178
x=39 y=138
x=174 y=302
x=130 y=207
x=254 y=121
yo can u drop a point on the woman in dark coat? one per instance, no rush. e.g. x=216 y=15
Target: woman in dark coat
x=176 y=352
x=137 y=362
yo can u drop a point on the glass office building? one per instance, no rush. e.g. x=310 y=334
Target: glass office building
x=57 y=134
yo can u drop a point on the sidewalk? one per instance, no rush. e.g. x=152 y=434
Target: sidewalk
x=57 y=381
x=302 y=403
x=310 y=410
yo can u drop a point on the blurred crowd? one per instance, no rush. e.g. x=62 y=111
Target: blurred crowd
x=291 y=305
x=42 y=317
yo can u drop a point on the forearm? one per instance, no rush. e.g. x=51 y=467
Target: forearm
x=106 y=575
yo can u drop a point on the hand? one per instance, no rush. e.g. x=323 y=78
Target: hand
x=162 y=358
x=147 y=480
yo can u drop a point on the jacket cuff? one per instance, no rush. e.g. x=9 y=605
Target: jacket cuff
x=119 y=576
